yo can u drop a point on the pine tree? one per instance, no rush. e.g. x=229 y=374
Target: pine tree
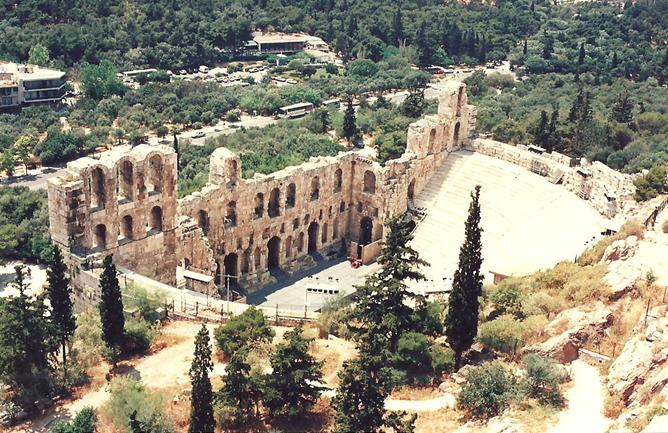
x=364 y=384
x=581 y=56
x=24 y=348
x=622 y=109
x=291 y=389
x=111 y=309
x=424 y=45
x=461 y=322
x=349 y=121
x=241 y=391
x=382 y=305
x=201 y=406
x=59 y=294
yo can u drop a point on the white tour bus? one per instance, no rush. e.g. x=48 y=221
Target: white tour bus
x=295 y=110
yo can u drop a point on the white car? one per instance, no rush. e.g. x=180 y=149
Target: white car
x=199 y=134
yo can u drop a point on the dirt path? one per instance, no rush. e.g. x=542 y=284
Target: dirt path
x=584 y=412
x=166 y=368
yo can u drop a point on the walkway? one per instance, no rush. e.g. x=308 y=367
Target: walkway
x=585 y=403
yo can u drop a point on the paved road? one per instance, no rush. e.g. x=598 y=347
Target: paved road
x=34 y=180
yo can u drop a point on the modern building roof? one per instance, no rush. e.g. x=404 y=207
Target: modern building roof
x=29 y=72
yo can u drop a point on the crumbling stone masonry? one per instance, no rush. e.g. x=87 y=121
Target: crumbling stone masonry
x=249 y=230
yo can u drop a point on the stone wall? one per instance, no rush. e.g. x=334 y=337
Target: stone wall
x=125 y=203
x=605 y=188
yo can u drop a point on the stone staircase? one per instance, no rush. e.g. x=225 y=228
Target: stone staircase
x=529 y=223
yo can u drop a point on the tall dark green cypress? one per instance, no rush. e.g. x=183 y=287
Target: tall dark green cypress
x=59 y=294
x=201 y=402
x=541 y=132
x=398 y=25
x=349 y=121
x=461 y=321
x=581 y=55
x=111 y=308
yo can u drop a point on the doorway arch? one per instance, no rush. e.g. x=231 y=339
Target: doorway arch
x=230 y=266
x=366 y=231
x=411 y=190
x=455 y=136
x=313 y=237
x=274 y=256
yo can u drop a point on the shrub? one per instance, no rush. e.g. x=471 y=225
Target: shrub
x=543 y=379
x=541 y=303
x=332 y=316
x=613 y=405
x=594 y=254
x=488 y=391
x=442 y=359
x=129 y=396
x=249 y=328
x=504 y=334
x=412 y=353
x=84 y=422
x=138 y=298
x=653 y=183
x=507 y=299
x=138 y=336
x=87 y=339
x=233 y=116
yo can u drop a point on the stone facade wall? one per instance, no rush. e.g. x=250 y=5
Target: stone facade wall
x=123 y=204
x=605 y=188
x=247 y=229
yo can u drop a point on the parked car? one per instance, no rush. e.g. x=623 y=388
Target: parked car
x=199 y=134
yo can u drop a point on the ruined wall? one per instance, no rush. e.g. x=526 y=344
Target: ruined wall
x=124 y=204
x=605 y=188
x=329 y=205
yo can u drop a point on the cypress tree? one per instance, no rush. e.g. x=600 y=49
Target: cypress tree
x=349 y=121
x=424 y=45
x=525 y=50
x=111 y=308
x=59 y=294
x=615 y=60
x=581 y=56
x=576 y=108
x=461 y=321
x=398 y=25
x=622 y=109
x=241 y=391
x=533 y=6
x=541 y=132
x=552 y=130
x=291 y=390
x=176 y=149
x=548 y=46
x=201 y=402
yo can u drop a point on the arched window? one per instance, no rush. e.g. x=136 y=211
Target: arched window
x=300 y=242
x=335 y=233
x=288 y=247
x=369 y=182
x=315 y=188
x=432 y=140
x=338 y=180
x=155 y=220
x=323 y=234
x=455 y=136
x=291 y=196
x=231 y=214
x=125 y=180
x=126 y=227
x=203 y=221
x=259 y=205
x=257 y=258
x=97 y=188
x=100 y=236
x=366 y=231
x=154 y=174
x=274 y=207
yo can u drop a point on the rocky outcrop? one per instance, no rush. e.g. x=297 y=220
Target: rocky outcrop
x=570 y=330
x=622 y=278
x=621 y=249
x=641 y=370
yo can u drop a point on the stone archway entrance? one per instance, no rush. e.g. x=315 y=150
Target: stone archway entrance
x=366 y=231
x=274 y=256
x=411 y=190
x=455 y=136
x=313 y=237
x=230 y=266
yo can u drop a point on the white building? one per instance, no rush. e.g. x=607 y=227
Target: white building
x=28 y=84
